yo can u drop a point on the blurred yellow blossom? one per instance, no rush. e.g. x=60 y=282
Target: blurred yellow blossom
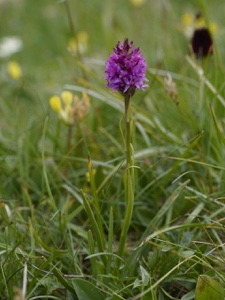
x=187 y=19
x=190 y=22
x=67 y=98
x=55 y=103
x=79 y=43
x=70 y=108
x=213 y=28
x=187 y=24
x=199 y=21
x=138 y=3
x=14 y=70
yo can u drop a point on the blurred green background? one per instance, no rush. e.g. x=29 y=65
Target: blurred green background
x=175 y=140
x=44 y=28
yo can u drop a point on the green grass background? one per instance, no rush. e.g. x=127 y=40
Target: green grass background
x=40 y=180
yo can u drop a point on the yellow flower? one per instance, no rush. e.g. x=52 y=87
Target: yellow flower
x=199 y=22
x=190 y=22
x=72 y=47
x=82 y=37
x=79 y=43
x=187 y=25
x=14 y=70
x=187 y=19
x=67 y=97
x=213 y=28
x=69 y=107
x=55 y=103
x=138 y=3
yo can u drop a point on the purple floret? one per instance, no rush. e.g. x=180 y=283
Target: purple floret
x=126 y=69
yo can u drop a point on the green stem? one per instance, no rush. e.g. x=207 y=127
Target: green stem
x=92 y=251
x=127 y=131
x=69 y=148
x=69 y=140
x=95 y=200
x=128 y=179
x=57 y=138
x=44 y=167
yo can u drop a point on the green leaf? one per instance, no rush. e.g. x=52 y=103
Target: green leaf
x=95 y=199
x=117 y=297
x=189 y=296
x=220 y=134
x=153 y=259
x=137 y=283
x=59 y=275
x=70 y=296
x=95 y=227
x=208 y=289
x=86 y=290
x=45 y=246
x=145 y=277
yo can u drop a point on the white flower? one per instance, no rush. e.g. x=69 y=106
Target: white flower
x=10 y=45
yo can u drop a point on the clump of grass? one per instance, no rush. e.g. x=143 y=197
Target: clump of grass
x=62 y=183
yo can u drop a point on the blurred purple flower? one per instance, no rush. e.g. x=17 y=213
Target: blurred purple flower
x=126 y=69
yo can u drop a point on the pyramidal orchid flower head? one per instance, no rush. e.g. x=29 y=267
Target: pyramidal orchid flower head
x=126 y=69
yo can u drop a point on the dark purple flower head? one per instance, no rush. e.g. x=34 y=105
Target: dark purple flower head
x=126 y=69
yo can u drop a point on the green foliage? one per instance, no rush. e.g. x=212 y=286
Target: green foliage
x=208 y=289
x=86 y=290
x=62 y=196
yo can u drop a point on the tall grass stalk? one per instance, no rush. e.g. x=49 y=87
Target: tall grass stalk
x=95 y=227
x=44 y=167
x=95 y=200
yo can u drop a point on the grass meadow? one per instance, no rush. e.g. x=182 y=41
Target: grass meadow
x=64 y=191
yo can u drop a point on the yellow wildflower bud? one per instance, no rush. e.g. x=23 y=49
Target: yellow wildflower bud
x=213 y=28
x=72 y=45
x=79 y=43
x=199 y=22
x=187 y=25
x=138 y=3
x=82 y=37
x=14 y=70
x=187 y=19
x=55 y=103
x=67 y=97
